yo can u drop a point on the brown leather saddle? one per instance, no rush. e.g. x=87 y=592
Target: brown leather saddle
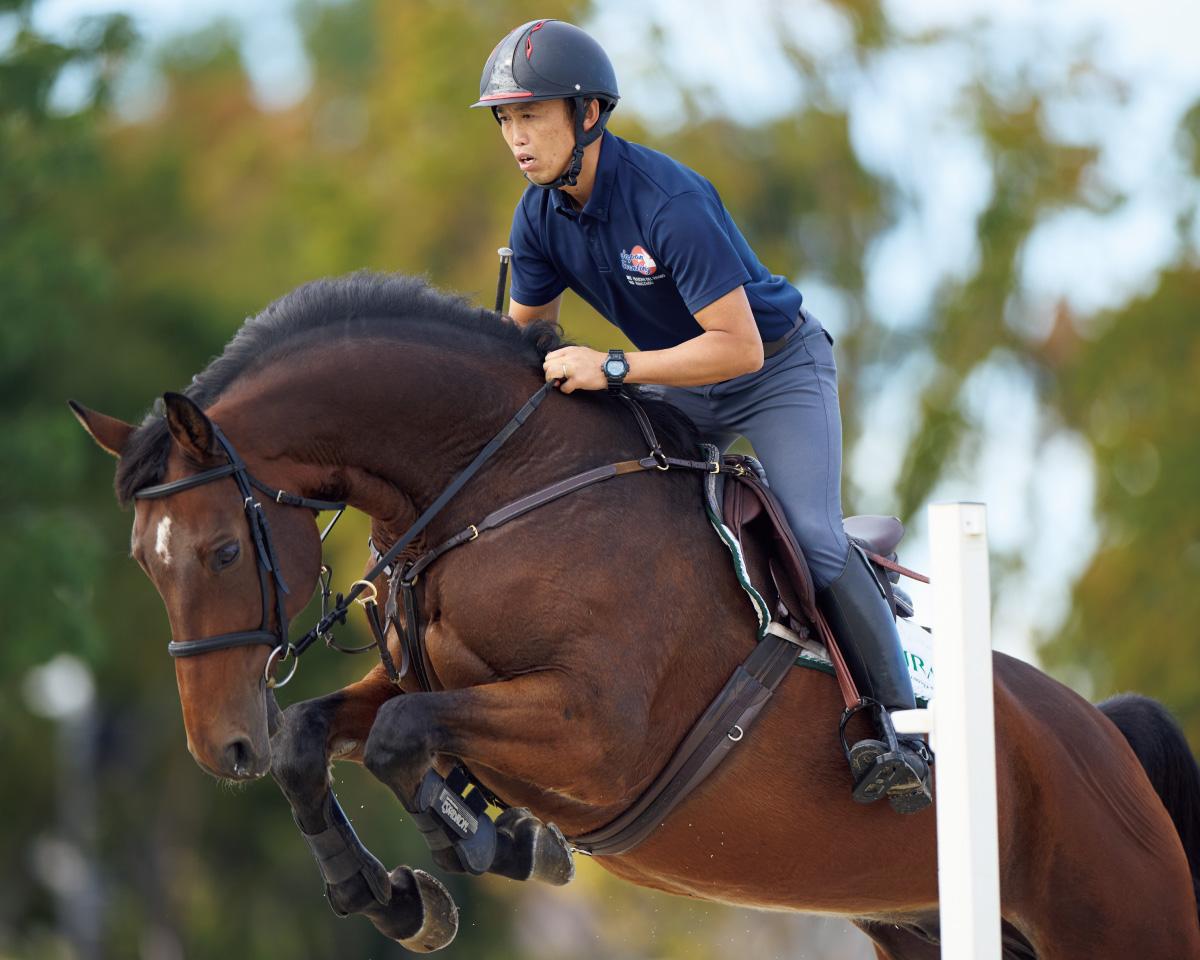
x=775 y=563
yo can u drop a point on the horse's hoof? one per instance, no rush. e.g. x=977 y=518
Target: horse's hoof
x=553 y=861
x=439 y=912
x=538 y=850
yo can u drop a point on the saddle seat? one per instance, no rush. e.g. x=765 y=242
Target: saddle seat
x=875 y=534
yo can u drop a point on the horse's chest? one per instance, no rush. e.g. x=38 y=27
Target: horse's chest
x=455 y=663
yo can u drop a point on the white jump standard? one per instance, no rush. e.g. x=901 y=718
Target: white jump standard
x=961 y=725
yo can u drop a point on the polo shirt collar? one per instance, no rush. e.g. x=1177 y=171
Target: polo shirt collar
x=606 y=174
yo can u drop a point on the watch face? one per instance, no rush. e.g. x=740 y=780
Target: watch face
x=614 y=368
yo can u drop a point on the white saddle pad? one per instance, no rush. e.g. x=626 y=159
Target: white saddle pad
x=918 y=654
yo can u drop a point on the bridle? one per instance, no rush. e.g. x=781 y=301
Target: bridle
x=268 y=562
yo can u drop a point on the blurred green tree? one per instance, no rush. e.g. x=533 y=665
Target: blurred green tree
x=128 y=251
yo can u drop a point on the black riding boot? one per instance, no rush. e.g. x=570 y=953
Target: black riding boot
x=862 y=621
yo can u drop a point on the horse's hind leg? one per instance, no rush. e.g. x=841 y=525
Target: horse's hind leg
x=894 y=941
x=919 y=941
x=407 y=905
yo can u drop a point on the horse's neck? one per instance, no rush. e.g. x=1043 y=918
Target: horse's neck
x=389 y=427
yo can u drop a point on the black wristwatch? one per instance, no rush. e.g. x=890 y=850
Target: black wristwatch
x=615 y=368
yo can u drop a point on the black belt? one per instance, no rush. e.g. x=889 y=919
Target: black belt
x=772 y=348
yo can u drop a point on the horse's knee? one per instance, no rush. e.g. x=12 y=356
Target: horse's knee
x=299 y=760
x=394 y=743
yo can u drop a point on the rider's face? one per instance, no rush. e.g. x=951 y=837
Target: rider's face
x=541 y=136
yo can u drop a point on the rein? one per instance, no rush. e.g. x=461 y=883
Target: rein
x=268 y=562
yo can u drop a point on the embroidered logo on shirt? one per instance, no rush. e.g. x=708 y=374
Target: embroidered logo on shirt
x=639 y=266
x=638 y=260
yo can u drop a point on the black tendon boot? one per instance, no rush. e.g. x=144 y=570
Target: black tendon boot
x=862 y=621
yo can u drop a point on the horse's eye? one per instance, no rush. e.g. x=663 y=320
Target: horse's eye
x=225 y=555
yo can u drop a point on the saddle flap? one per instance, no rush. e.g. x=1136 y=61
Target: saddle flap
x=775 y=561
x=757 y=520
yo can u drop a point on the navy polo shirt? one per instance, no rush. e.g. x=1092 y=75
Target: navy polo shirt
x=653 y=246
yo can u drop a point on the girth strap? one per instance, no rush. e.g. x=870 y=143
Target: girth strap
x=718 y=730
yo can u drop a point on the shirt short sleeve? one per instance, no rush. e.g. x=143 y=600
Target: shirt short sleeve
x=690 y=238
x=535 y=279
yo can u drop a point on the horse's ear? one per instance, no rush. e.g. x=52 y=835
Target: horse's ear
x=109 y=432
x=190 y=426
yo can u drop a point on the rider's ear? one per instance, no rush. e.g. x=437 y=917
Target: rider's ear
x=591 y=114
x=190 y=426
x=112 y=434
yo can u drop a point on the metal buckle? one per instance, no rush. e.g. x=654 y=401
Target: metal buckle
x=474 y=533
x=370 y=586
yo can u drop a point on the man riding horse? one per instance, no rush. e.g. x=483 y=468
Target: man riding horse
x=648 y=243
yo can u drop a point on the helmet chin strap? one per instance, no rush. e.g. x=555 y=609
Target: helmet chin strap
x=570 y=176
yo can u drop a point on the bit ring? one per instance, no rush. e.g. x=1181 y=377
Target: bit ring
x=273 y=659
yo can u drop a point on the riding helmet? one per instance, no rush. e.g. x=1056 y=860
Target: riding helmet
x=552 y=60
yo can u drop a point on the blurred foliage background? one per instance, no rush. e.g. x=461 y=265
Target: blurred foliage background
x=130 y=246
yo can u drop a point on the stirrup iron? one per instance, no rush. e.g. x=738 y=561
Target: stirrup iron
x=879 y=765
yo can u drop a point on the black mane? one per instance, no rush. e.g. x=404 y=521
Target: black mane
x=357 y=305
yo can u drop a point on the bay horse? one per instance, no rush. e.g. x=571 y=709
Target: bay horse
x=574 y=648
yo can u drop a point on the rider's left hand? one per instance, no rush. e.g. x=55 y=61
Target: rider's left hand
x=582 y=365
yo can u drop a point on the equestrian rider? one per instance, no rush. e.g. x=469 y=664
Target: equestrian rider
x=649 y=244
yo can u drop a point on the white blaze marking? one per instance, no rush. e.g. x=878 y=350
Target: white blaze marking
x=162 y=540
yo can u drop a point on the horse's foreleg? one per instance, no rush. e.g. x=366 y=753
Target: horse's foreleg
x=474 y=724
x=407 y=905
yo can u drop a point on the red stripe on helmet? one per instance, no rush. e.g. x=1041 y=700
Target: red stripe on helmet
x=529 y=38
x=506 y=96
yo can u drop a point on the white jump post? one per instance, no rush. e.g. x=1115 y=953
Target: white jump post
x=962 y=727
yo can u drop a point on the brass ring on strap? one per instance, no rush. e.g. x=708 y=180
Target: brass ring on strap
x=369 y=586
x=278 y=655
x=474 y=533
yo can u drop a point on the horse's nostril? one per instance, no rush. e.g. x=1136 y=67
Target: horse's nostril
x=239 y=759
